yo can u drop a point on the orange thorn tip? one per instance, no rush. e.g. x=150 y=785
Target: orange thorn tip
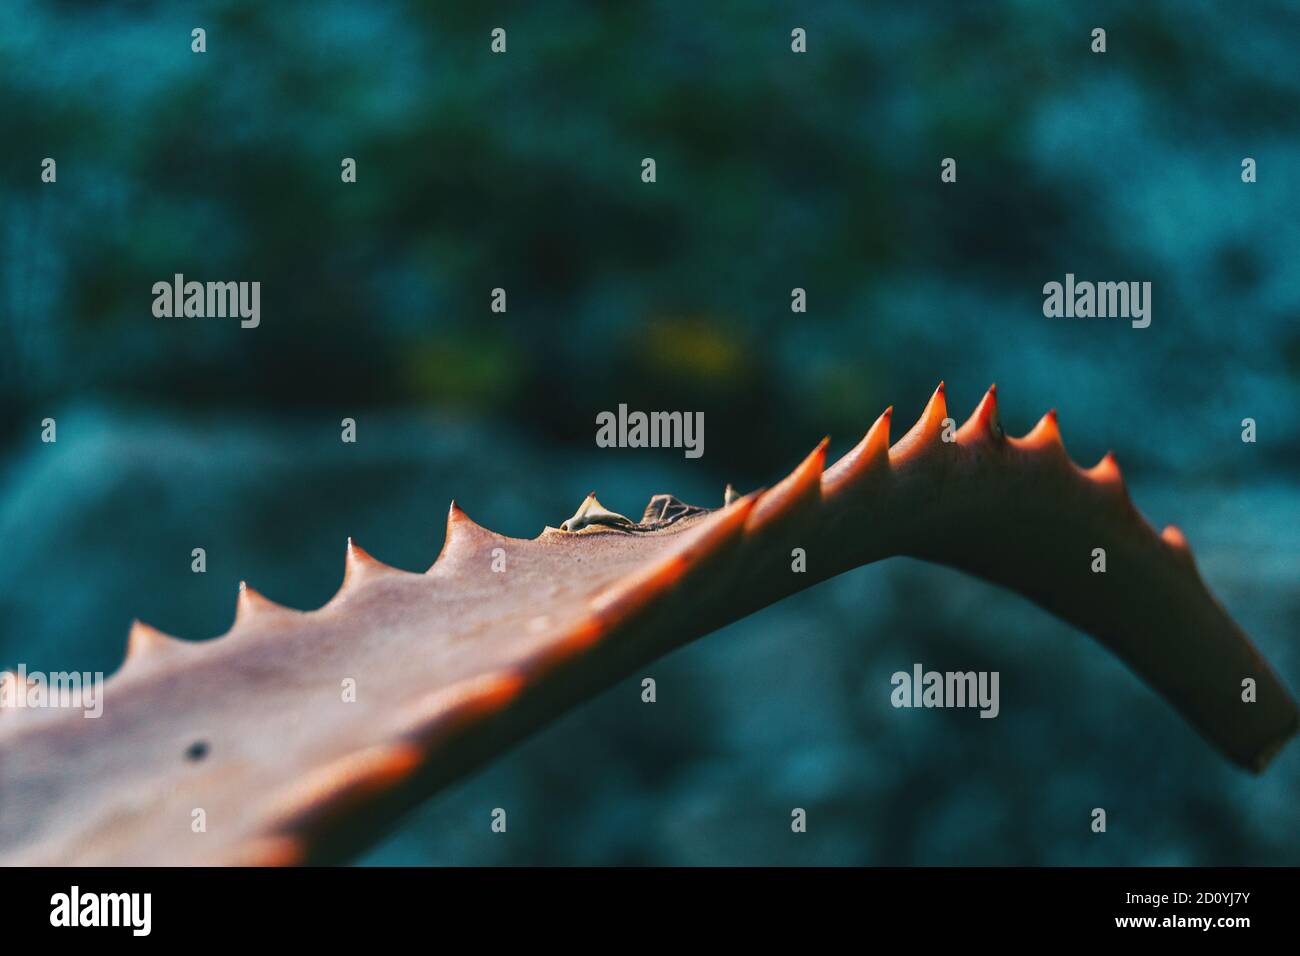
x=359 y=554
x=985 y=420
x=252 y=602
x=460 y=522
x=794 y=488
x=1174 y=537
x=359 y=562
x=1106 y=471
x=1047 y=431
x=462 y=531
x=144 y=638
x=936 y=410
x=456 y=517
x=992 y=420
x=872 y=449
x=929 y=426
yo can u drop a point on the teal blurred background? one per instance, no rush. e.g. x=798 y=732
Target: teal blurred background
x=775 y=171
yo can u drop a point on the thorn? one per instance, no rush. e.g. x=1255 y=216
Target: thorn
x=252 y=605
x=872 y=451
x=936 y=410
x=358 y=555
x=1106 y=471
x=146 y=640
x=1176 y=539
x=928 y=427
x=358 y=564
x=985 y=420
x=461 y=528
x=729 y=495
x=801 y=485
x=1046 y=432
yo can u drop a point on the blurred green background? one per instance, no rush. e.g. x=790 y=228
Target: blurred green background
x=775 y=171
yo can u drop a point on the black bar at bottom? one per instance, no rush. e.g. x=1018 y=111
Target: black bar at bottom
x=533 y=905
